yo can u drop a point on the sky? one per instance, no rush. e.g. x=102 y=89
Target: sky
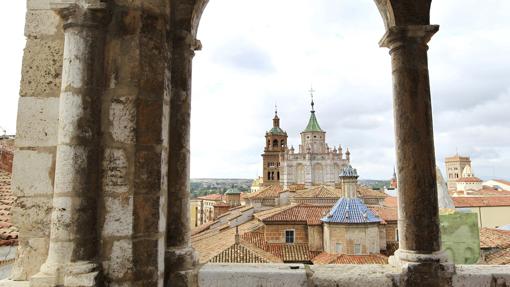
x=258 y=53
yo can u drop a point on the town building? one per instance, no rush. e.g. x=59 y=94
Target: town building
x=454 y=167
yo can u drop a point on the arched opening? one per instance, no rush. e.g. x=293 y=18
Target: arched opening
x=317 y=174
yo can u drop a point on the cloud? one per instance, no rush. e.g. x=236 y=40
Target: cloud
x=258 y=53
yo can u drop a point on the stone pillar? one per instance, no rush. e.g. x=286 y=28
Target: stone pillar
x=418 y=225
x=180 y=258
x=72 y=256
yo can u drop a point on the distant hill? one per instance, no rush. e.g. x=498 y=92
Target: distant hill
x=204 y=186
x=374 y=183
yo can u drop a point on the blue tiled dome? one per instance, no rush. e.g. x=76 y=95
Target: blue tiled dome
x=350 y=210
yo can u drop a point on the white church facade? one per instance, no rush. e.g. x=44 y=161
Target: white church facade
x=314 y=163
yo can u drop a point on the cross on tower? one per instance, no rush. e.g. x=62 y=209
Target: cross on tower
x=311 y=95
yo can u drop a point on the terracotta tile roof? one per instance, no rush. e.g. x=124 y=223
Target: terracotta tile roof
x=390 y=201
x=297 y=252
x=303 y=213
x=494 y=238
x=269 y=192
x=385 y=213
x=8 y=232
x=327 y=258
x=213 y=197
x=469 y=179
x=212 y=242
x=365 y=192
x=267 y=213
x=471 y=201
x=501 y=257
x=7 y=145
x=244 y=252
x=319 y=192
x=487 y=191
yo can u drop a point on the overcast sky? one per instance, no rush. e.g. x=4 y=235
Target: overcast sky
x=258 y=53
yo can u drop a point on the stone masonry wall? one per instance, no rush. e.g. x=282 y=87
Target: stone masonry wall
x=36 y=136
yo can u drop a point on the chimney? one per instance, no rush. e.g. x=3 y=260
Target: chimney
x=237 y=235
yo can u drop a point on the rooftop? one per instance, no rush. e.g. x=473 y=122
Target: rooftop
x=328 y=258
x=8 y=232
x=478 y=201
x=321 y=191
x=302 y=213
x=269 y=192
x=494 y=238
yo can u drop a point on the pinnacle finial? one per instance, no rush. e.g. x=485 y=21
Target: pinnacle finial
x=275 y=110
x=311 y=95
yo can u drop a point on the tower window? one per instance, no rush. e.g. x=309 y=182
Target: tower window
x=289 y=236
x=275 y=143
x=268 y=175
x=278 y=175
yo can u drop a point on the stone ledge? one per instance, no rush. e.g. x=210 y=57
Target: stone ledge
x=281 y=275
x=267 y=275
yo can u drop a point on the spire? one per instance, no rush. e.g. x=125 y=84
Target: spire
x=276 y=130
x=311 y=95
x=313 y=124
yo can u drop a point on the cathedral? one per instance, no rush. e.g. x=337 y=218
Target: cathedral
x=314 y=163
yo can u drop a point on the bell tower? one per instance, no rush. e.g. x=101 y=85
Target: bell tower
x=275 y=147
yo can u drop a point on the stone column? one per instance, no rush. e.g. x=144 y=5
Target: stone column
x=180 y=257
x=72 y=255
x=418 y=225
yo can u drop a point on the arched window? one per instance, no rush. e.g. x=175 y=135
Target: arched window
x=283 y=143
x=278 y=175
x=268 y=175
x=275 y=143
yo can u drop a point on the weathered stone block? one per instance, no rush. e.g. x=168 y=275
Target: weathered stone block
x=42 y=22
x=123 y=119
x=32 y=216
x=120 y=264
x=145 y=259
x=33 y=172
x=149 y=119
x=277 y=275
x=146 y=214
x=37 y=124
x=31 y=254
x=42 y=67
x=115 y=171
x=118 y=216
x=148 y=170
x=38 y=4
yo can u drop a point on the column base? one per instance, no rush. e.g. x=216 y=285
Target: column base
x=425 y=270
x=181 y=267
x=77 y=274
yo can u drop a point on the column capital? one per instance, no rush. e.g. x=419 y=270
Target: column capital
x=397 y=36
x=188 y=39
x=81 y=13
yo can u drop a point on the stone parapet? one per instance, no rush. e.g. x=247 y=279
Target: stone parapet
x=225 y=275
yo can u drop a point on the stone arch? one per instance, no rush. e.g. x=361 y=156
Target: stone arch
x=300 y=173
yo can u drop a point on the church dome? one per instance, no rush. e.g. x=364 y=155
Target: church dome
x=350 y=210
